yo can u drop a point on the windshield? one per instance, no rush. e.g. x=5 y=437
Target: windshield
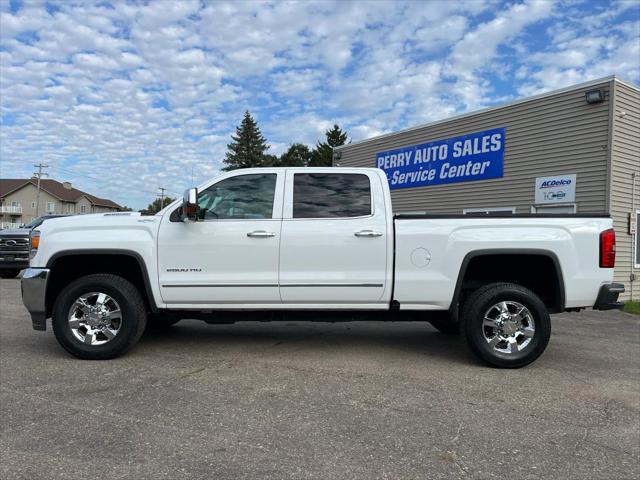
x=34 y=223
x=38 y=221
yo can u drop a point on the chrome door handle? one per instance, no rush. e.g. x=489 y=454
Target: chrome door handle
x=261 y=234
x=368 y=233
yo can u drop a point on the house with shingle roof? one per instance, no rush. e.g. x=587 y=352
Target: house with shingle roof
x=18 y=200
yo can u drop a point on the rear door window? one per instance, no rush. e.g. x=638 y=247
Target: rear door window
x=331 y=195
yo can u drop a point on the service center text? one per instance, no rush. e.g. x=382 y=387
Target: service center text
x=476 y=156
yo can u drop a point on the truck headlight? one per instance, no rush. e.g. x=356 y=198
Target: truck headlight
x=34 y=240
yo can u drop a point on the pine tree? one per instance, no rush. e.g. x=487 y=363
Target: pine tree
x=322 y=155
x=298 y=155
x=157 y=205
x=270 y=161
x=248 y=146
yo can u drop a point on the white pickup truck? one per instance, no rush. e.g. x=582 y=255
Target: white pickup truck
x=317 y=244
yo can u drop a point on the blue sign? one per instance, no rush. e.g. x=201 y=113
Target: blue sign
x=477 y=156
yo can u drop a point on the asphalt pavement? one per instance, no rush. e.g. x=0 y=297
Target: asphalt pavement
x=319 y=400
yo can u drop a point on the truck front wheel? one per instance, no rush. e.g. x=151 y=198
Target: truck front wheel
x=99 y=316
x=506 y=325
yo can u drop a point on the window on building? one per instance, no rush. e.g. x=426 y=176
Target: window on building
x=83 y=209
x=489 y=210
x=33 y=205
x=245 y=196
x=330 y=195
x=51 y=207
x=554 y=209
x=14 y=209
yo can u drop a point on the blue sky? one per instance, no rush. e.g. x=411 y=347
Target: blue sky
x=124 y=97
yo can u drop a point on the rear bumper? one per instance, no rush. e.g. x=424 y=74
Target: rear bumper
x=34 y=289
x=608 y=297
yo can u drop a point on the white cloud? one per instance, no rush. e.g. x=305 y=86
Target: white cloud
x=585 y=48
x=122 y=98
x=478 y=48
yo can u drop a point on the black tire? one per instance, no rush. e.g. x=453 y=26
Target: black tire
x=479 y=303
x=132 y=306
x=9 y=273
x=160 y=321
x=445 y=325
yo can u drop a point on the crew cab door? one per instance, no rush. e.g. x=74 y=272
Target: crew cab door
x=334 y=238
x=229 y=256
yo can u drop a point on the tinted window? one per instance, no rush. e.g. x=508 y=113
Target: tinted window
x=325 y=195
x=38 y=221
x=244 y=196
x=33 y=223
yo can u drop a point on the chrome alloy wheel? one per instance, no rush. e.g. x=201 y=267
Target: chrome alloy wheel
x=508 y=327
x=95 y=318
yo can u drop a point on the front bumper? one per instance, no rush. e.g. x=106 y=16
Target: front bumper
x=13 y=264
x=34 y=289
x=608 y=297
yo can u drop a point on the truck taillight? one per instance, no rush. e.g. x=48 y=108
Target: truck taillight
x=608 y=248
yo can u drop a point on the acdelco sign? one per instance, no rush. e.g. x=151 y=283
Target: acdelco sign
x=559 y=189
x=556 y=183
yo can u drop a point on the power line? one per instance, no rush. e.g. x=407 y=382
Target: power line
x=101 y=180
x=161 y=197
x=39 y=175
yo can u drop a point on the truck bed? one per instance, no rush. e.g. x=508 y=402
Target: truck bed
x=417 y=216
x=432 y=251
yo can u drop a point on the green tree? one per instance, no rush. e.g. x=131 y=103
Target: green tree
x=155 y=206
x=270 y=161
x=125 y=209
x=298 y=155
x=322 y=155
x=248 y=148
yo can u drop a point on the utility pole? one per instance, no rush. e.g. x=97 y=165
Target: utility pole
x=39 y=175
x=161 y=197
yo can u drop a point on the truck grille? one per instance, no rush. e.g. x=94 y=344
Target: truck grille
x=14 y=249
x=14 y=243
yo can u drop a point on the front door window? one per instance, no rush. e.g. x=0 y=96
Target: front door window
x=244 y=197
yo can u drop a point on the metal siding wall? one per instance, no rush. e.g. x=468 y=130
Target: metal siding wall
x=625 y=161
x=558 y=134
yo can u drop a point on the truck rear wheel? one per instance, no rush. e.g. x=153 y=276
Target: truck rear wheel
x=99 y=316
x=506 y=325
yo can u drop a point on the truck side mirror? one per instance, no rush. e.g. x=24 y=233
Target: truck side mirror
x=190 y=204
